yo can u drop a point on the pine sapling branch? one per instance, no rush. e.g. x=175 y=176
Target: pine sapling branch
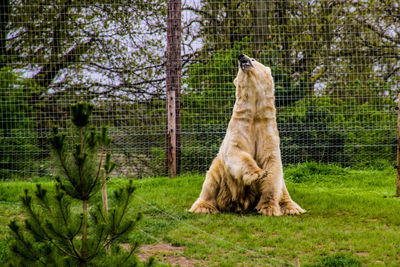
x=27 y=201
x=129 y=190
x=28 y=247
x=130 y=254
x=64 y=166
x=59 y=198
x=62 y=250
x=100 y=239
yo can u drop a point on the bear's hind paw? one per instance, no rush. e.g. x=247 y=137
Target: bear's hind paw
x=270 y=210
x=203 y=207
x=292 y=208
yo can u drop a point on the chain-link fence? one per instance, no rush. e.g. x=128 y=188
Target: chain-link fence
x=335 y=64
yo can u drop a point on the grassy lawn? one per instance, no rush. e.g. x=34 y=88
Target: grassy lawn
x=352 y=219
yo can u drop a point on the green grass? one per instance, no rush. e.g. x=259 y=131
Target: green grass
x=352 y=220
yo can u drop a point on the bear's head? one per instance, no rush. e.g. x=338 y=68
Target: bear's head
x=253 y=77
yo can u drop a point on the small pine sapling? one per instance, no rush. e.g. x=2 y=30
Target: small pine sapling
x=55 y=233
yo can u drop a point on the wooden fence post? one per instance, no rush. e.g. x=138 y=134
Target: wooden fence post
x=398 y=149
x=173 y=83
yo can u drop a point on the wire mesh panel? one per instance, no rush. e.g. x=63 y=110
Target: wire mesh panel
x=336 y=71
x=335 y=64
x=55 y=53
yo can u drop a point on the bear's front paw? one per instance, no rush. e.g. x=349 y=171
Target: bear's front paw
x=270 y=210
x=203 y=207
x=250 y=178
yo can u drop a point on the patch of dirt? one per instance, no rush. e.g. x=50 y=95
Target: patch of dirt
x=362 y=253
x=258 y=232
x=126 y=246
x=166 y=253
x=268 y=248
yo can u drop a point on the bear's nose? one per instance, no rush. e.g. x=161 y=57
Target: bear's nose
x=244 y=61
x=241 y=56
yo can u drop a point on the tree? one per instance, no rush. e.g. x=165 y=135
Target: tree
x=56 y=235
x=106 y=51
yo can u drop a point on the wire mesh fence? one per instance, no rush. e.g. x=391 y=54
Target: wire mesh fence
x=335 y=64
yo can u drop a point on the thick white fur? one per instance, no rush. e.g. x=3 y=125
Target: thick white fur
x=247 y=172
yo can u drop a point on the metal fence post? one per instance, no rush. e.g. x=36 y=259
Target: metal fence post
x=173 y=82
x=398 y=149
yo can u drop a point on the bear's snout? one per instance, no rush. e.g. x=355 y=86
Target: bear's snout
x=240 y=57
x=244 y=61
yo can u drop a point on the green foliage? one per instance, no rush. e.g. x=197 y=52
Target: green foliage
x=55 y=233
x=289 y=87
x=17 y=136
x=212 y=78
x=310 y=172
x=338 y=260
x=366 y=141
x=328 y=129
x=80 y=113
x=200 y=148
x=4 y=250
x=310 y=130
x=224 y=23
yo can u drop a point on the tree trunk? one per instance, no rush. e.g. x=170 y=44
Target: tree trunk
x=84 y=234
x=104 y=197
